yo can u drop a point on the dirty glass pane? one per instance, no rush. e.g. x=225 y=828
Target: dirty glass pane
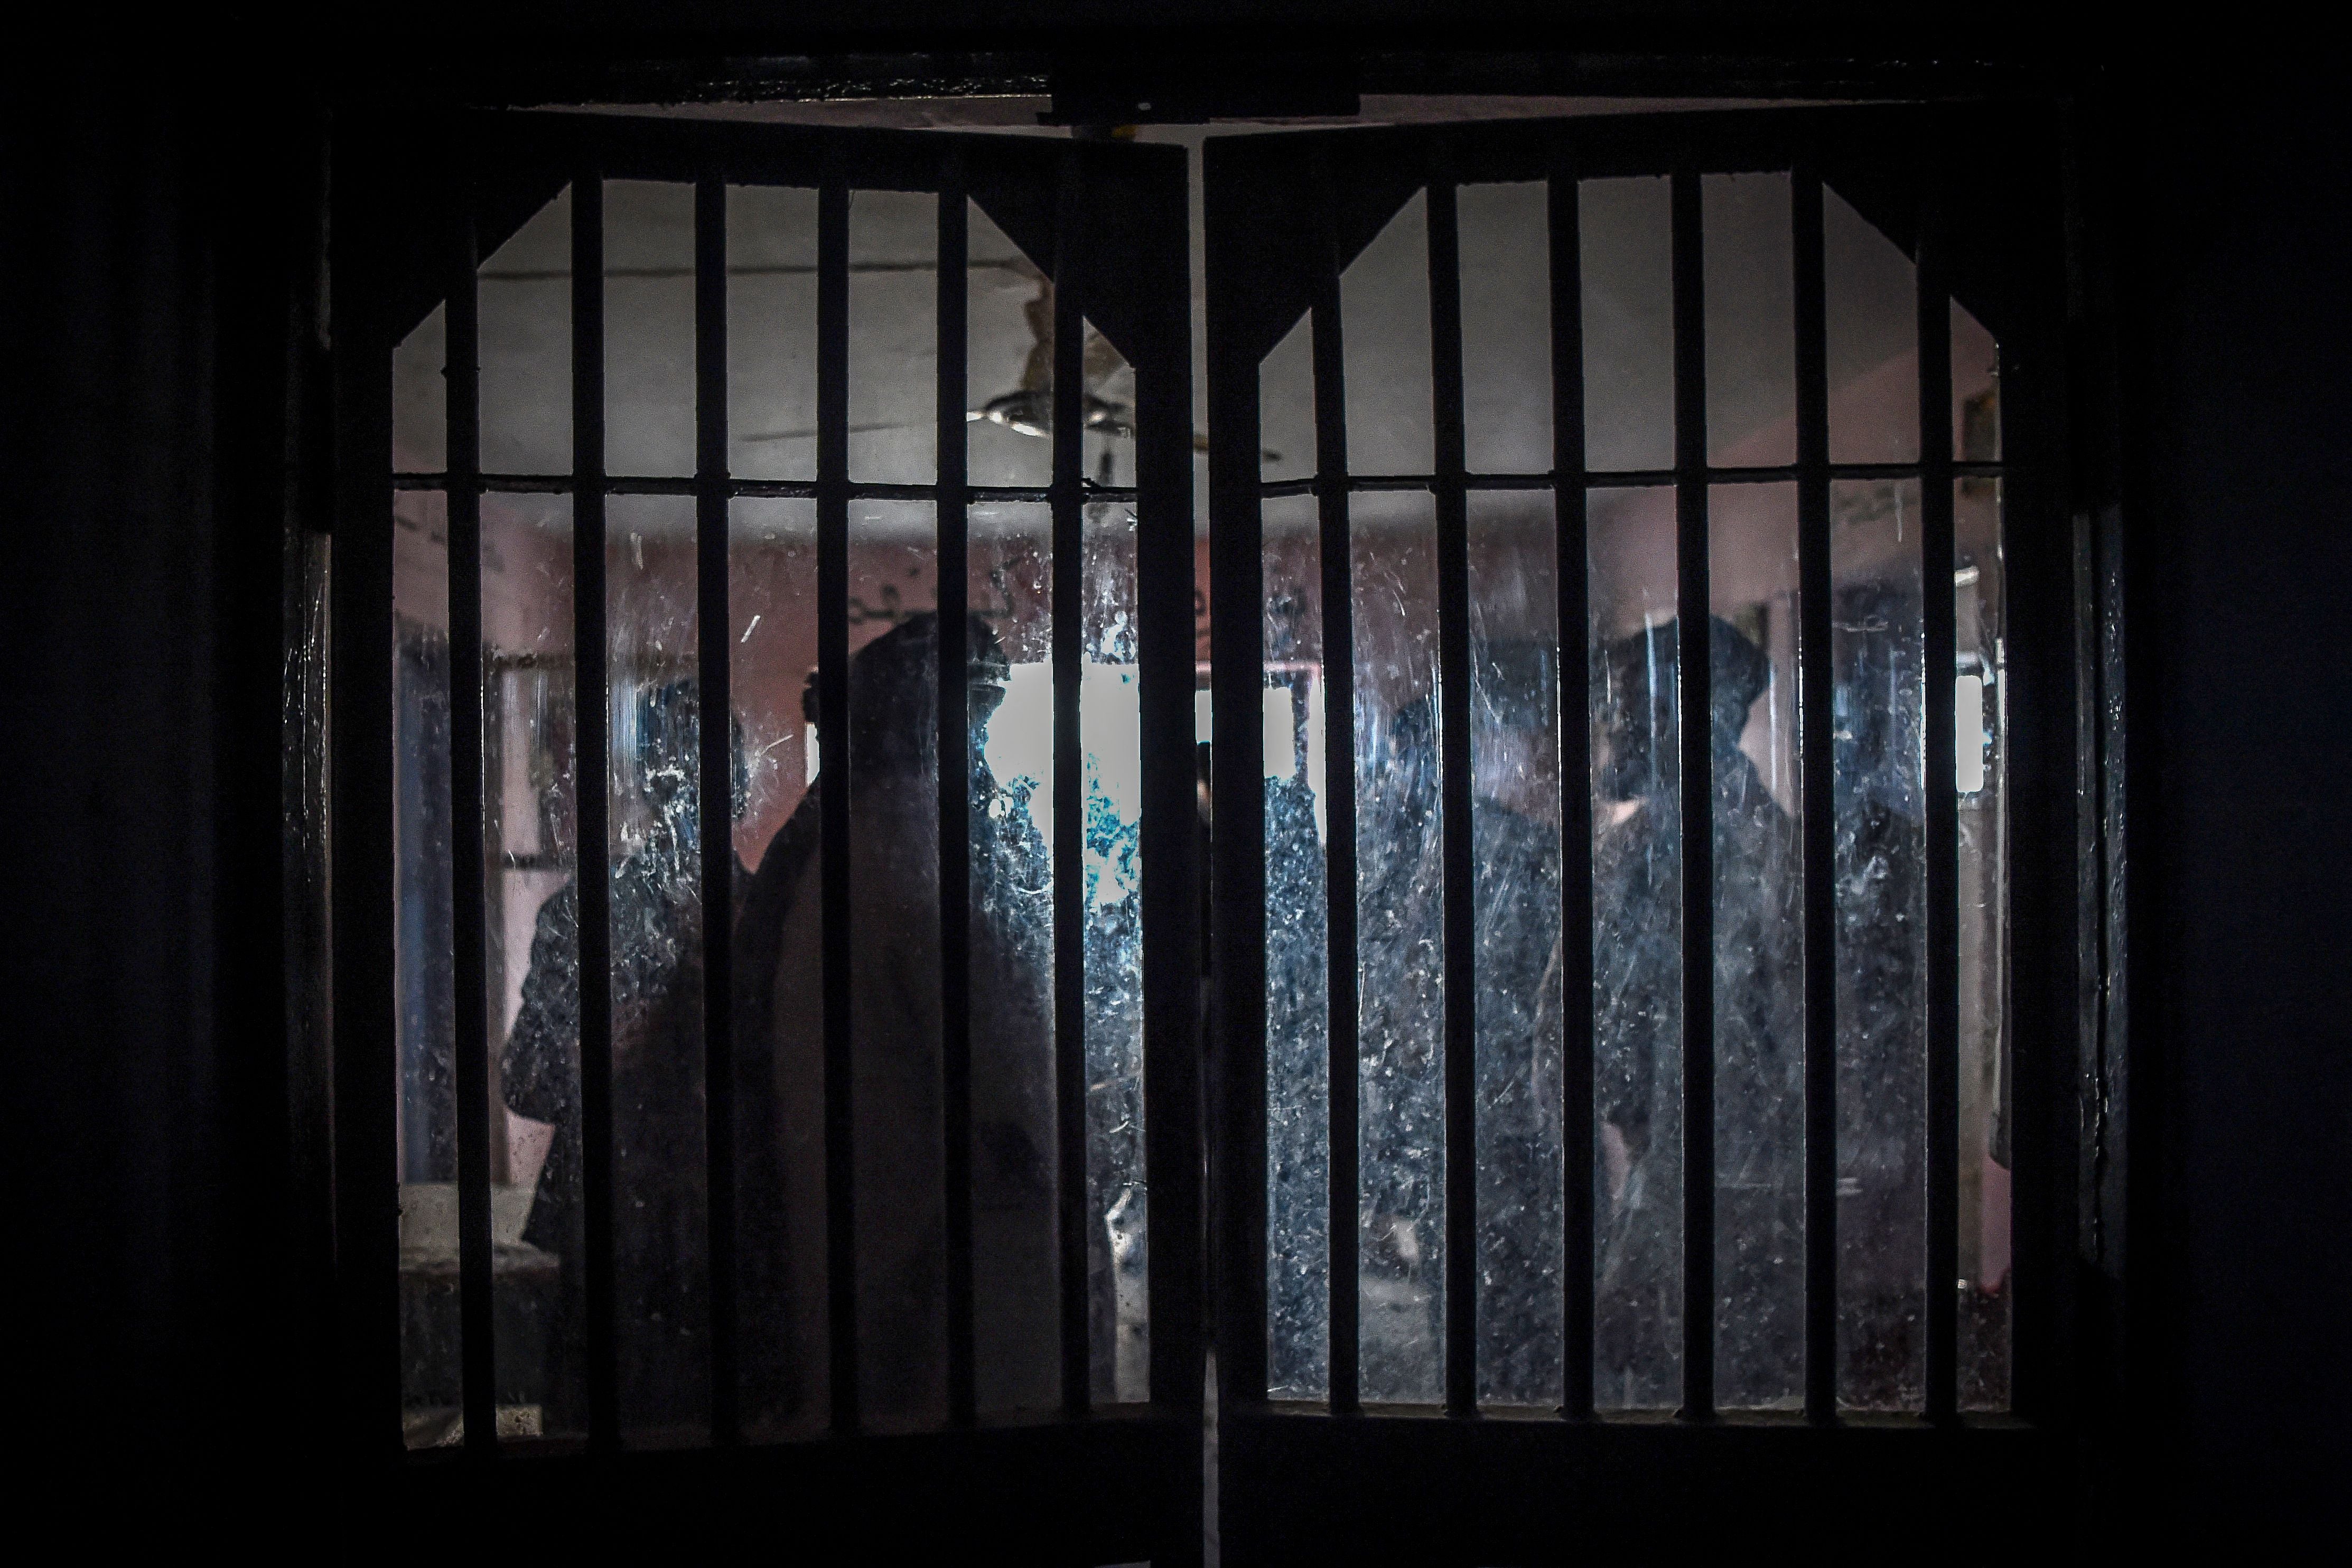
x=780 y=1157
x=1285 y=400
x=1628 y=323
x=420 y=398
x=1636 y=953
x=1009 y=359
x=660 y=1263
x=1975 y=390
x=1760 y=962
x=771 y=331
x=1506 y=250
x=1981 y=753
x=1752 y=334
x=423 y=956
x=1399 y=905
x=1876 y=647
x=1117 y=1196
x=1384 y=329
x=1870 y=291
x=1515 y=828
x=525 y=314
x=1016 y=1258
x=1297 y=1042
x=893 y=344
x=649 y=328
x=899 y=1137
x=529 y=783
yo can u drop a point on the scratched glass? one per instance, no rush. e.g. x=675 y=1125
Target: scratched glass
x=424 y=957
x=1515 y=830
x=1399 y=905
x=899 y=1136
x=1297 y=1037
x=1877 y=646
x=661 y=1264
x=1752 y=334
x=1628 y=323
x=1015 y=1156
x=780 y=1159
x=1760 y=961
x=1111 y=734
x=529 y=781
x=1636 y=953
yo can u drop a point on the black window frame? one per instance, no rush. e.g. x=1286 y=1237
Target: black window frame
x=417 y=201
x=1892 y=1473
x=1971 y=191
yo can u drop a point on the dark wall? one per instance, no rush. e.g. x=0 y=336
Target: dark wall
x=2238 y=517
x=151 y=238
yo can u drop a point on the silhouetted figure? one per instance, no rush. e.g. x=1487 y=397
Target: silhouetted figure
x=898 y=1171
x=1758 y=1046
x=661 y=1268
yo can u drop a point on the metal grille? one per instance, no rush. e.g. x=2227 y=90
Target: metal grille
x=439 y=201
x=1285 y=216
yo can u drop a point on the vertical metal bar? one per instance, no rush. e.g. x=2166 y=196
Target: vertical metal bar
x=1454 y=729
x=1069 y=787
x=1237 y=883
x=1571 y=557
x=1339 y=805
x=591 y=770
x=1943 y=850
x=364 y=889
x=469 y=928
x=1159 y=200
x=715 y=784
x=955 y=785
x=1817 y=792
x=1695 y=706
x=833 y=800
